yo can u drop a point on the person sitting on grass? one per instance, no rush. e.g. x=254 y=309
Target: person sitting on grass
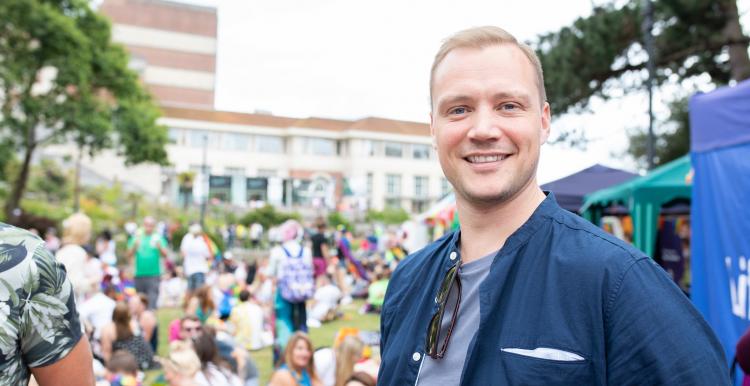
x=201 y=304
x=120 y=335
x=247 y=319
x=298 y=368
x=182 y=364
x=335 y=365
x=236 y=357
x=325 y=302
x=145 y=319
x=376 y=290
x=214 y=370
x=122 y=369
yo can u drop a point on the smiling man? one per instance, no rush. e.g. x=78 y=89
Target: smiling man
x=526 y=293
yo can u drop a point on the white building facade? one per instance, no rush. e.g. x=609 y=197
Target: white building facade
x=315 y=163
x=244 y=160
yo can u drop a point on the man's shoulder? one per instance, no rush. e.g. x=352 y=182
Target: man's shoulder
x=585 y=243
x=18 y=245
x=11 y=234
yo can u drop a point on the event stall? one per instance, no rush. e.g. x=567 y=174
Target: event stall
x=720 y=150
x=644 y=197
x=569 y=191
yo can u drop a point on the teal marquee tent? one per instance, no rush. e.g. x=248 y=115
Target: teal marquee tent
x=644 y=197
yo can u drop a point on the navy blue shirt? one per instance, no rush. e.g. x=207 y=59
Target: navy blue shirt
x=558 y=285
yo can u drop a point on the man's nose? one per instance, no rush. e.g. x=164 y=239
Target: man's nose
x=485 y=126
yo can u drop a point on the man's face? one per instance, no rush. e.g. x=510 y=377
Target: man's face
x=148 y=225
x=488 y=122
x=190 y=329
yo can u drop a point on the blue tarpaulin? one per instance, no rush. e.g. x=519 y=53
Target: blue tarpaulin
x=720 y=242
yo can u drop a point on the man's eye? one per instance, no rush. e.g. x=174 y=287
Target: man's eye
x=457 y=110
x=509 y=106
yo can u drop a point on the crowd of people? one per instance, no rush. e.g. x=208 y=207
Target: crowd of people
x=233 y=302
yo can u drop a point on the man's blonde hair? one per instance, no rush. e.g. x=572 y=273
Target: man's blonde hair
x=77 y=229
x=483 y=37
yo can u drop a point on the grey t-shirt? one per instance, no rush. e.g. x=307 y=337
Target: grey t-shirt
x=447 y=371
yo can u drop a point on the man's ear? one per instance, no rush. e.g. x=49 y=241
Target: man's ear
x=546 y=123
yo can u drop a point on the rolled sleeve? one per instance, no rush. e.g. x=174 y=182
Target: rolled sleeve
x=49 y=319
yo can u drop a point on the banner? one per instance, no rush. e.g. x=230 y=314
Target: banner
x=721 y=241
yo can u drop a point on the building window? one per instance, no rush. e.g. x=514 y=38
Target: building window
x=393 y=149
x=420 y=151
x=220 y=188
x=269 y=144
x=321 y=146
x=369 y=184
x=393 y=185
x=198 y=138
x=420 y=186
x=256 y=189
x=445 y=186
x=372 y=148
x=235 y=141
x=176 y=136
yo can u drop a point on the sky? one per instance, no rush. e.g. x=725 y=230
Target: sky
x=350 y=59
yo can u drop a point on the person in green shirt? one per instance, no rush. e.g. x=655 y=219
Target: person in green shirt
x=376 y=291
x=147 y=247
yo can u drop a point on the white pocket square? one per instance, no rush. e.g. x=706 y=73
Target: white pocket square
x=546 y=353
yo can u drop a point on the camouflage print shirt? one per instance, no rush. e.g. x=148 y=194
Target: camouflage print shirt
x=38 y=319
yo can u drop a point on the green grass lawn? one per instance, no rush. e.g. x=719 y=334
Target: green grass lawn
x=321 y=337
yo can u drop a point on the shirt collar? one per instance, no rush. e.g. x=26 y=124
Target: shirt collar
x=545 y=210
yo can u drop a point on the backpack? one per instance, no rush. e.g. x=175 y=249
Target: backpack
x=296 y=282
x=225 y=306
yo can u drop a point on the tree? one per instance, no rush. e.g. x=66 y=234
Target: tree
x=336 y=219
x=62 y=80
x=268 y=216
x=387 y=216
x=50 y=181
x=601 y=55
x=670 y=144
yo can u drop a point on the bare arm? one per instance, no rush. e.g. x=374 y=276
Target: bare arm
x=192 y=307
x=108 y=336
x=162 y=248
x=282 y=378
x=74 y=368
x=240 y=356
x=148 y=324
x=131 y=251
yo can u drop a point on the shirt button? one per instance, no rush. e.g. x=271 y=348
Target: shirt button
x=453 y=255
x=416 y=356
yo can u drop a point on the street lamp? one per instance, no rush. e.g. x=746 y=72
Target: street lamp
x=648 y=39
x=206 y=183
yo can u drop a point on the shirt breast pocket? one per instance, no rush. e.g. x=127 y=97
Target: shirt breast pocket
x=525 y=370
